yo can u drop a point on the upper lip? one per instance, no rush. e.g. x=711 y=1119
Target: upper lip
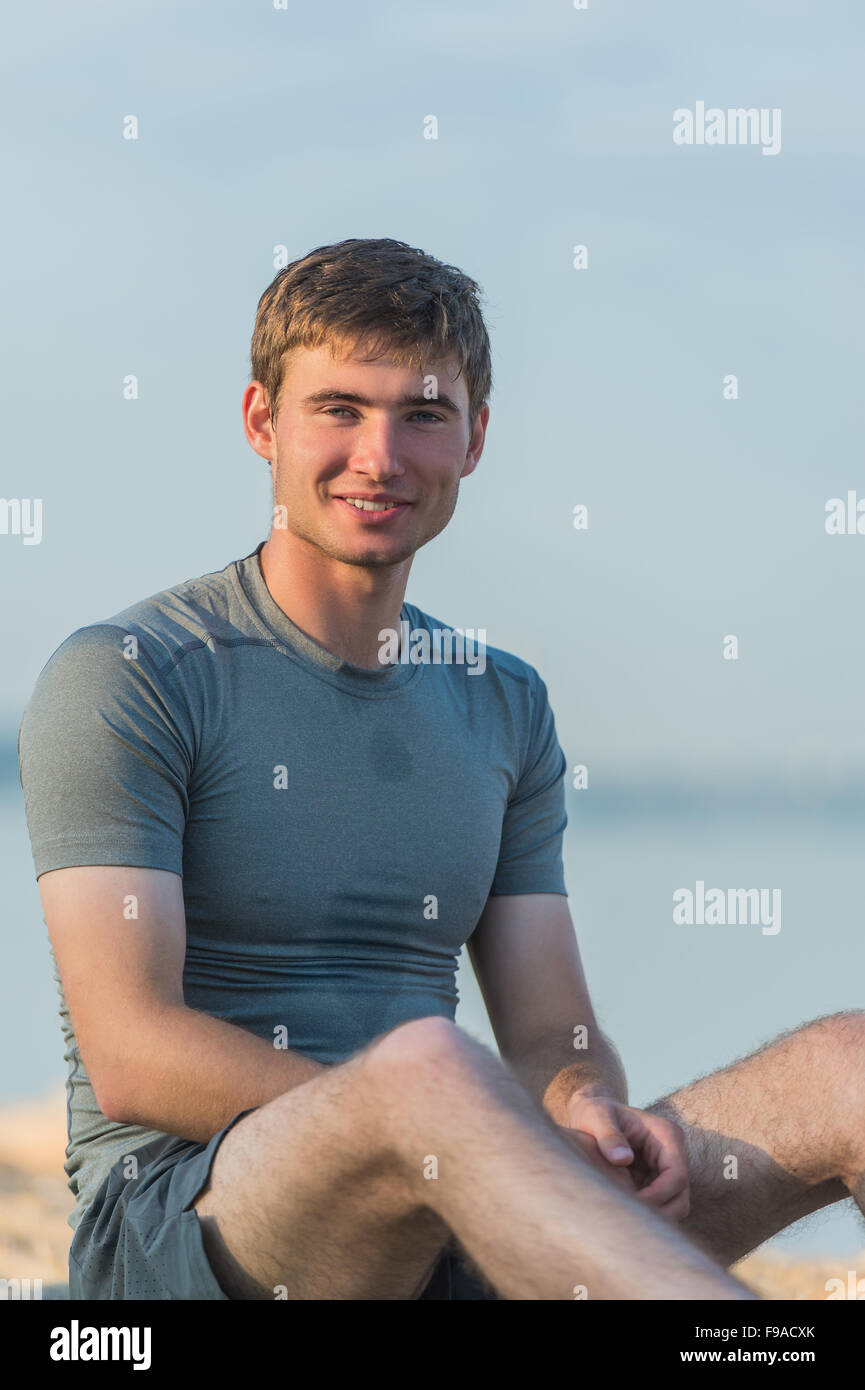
x=372 y=496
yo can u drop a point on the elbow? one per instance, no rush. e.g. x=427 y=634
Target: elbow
x=107 y=1104
x=115 y=1113
x=111 y=1099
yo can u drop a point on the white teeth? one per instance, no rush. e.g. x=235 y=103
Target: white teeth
x=365 y=506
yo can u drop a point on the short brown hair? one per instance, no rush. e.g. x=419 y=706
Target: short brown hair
x=377 y=292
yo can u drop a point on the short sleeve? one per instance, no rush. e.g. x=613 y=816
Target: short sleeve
x=530 y=855
x=104 y=757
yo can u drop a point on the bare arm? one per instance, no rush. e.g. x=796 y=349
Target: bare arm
x=525 y=955
x=151 y=1060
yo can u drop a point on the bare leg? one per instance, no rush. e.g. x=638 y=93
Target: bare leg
x=775 y=1136
x=329 y=1192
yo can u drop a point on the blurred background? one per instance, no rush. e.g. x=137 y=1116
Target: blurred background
x=264 y=132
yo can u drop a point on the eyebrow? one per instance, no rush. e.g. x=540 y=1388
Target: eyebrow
x=442 y=400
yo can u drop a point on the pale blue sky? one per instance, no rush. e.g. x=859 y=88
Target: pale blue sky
x=261 y=127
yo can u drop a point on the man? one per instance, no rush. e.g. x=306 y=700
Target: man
x=260 y=847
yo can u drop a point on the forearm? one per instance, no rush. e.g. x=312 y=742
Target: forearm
x=187 y=1073
x=552 y=1072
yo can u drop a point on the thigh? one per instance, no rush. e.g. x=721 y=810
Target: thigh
x=304 y=1201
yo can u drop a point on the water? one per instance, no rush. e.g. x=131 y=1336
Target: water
x=678 y=1001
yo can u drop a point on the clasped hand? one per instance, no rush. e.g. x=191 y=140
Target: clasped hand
x=642 y=1153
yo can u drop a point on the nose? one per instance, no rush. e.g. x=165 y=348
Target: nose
x=374 y=452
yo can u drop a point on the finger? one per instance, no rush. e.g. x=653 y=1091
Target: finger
x=678 y=1209
x=659 y=1153
x=643 y=1142
x=613 y=1144
x=604 y=1121
x=668 y=1185
x=587 y=1145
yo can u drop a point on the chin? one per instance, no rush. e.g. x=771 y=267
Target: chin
x=372 y=558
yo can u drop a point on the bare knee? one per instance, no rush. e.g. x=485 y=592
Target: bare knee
x=428 y=1037
x=422 y=1068
x=429 y=1048
x=836 y=1044
x=834 y=1049
x=842 y=1035
x=838 y=1041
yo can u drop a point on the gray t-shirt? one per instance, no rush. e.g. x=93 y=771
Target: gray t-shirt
x=338 y=829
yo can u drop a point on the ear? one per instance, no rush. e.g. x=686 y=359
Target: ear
x=476 y=443
x=257 y=423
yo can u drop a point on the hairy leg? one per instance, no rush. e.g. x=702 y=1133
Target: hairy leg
x=775 y=1136
x=304 y=1199
x=348 y=1186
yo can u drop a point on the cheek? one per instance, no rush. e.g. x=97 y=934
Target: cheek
x=441 y=479
x=304 y=464
x=448 y=492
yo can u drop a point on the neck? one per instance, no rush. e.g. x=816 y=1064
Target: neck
x=342 y=607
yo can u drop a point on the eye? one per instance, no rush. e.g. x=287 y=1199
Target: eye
x=344 y=409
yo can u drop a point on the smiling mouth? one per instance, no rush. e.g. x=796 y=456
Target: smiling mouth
x=374 y=510
x=366 y=504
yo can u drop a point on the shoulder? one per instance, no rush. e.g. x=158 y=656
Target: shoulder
x=128 y=671
x=508 y=671
x=151 y=635
x=491 y=685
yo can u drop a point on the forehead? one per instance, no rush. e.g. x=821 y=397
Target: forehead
x=305 y=368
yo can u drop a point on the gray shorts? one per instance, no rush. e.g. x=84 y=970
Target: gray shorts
x=141 y=1237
